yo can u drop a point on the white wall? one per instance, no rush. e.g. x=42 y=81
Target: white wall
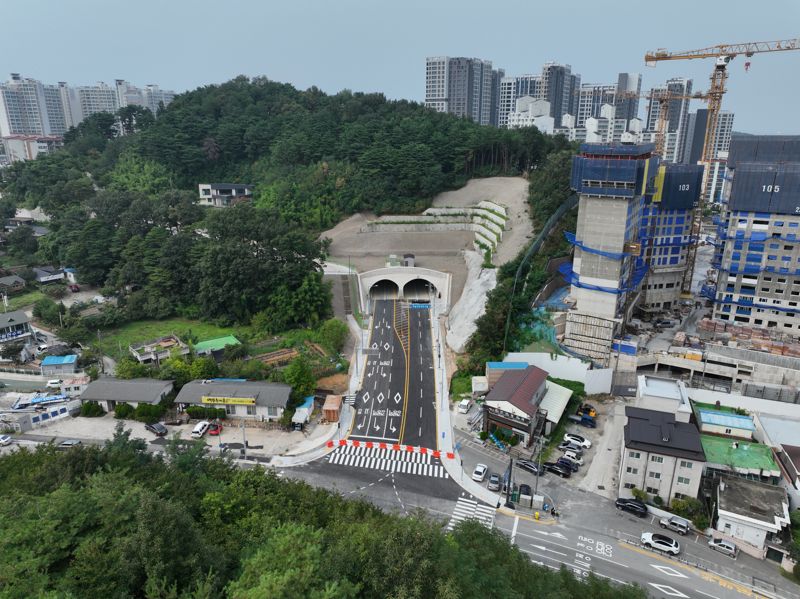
x=567 y=368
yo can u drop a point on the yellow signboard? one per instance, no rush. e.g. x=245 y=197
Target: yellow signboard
x=231 y=401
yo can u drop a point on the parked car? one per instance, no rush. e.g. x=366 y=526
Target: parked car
x=494 y=482
x=464 y=405
x=634 y=506
x=676 y=523
x=569 y=446
x=578 y=440
x=653 y=540
x=583 y=420
x=41 y=348
x=525 y=490
x=5 y=439
x=480 y=472
x=74 y=288
x=665 y=323
x=157 y=428
x=573 y=457
x=529 y=466
x=723 y=546
x=54 y=384
x=568 y=464
x=556 y=468
x=215 y=429
x=200 y=429
x=68 y=444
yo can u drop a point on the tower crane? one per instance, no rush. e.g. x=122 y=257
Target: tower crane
x=723 y=54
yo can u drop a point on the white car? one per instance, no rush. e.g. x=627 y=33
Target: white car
x=200 y=429
x=5 y=439
x=480 y=472
x=464 y=406
x=573 y=457
x=653 y=540
x=578 y=440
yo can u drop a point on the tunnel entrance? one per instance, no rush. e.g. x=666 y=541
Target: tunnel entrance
x=420 y=290
x=384 y=290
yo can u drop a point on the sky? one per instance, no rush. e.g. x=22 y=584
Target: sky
x=381 y=46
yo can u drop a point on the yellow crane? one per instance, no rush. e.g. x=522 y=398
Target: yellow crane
x=722 y=54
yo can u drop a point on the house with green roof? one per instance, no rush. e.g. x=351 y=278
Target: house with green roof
x=754 y=461
x=215 y=347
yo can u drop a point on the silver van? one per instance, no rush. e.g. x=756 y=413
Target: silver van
x=676 y=523
x=724 y=546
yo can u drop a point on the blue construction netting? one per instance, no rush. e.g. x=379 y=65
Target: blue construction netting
x=570 y=237
x=573 y=279
x=707 y=293
x=751 y=269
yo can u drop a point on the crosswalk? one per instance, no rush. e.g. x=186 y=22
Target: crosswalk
x=388 y=460
x=469 y=508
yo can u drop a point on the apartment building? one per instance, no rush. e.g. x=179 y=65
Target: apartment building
x=695 y=140
x=512 y=89
x=660 y=455
x=757 y=252
x=465 y=87
x=677 y=115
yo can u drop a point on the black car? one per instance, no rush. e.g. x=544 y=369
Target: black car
x=158 y=429
x=634 y=506
x=525 y=490
x=529 y=466
x=568 y=464
x=555 y=468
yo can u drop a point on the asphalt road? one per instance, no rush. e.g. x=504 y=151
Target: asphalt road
x=397 y=400
x=380 y=403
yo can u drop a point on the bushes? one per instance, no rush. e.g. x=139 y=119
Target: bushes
x=639 y=494
x=691 y=509
x=123 y=410
x=202 y=413
x=91 y=409
x=146 y=413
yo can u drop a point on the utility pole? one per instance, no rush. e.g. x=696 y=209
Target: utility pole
x=244 y=442
x=538 y=465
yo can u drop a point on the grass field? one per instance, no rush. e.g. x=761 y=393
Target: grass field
x=542 y=346
x=115 y=342
x=16 y=302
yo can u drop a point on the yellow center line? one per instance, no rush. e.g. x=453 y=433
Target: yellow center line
x=707 y=576
x=405 y=389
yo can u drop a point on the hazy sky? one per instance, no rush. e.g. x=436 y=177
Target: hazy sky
x=375 y=45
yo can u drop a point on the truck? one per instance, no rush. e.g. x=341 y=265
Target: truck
x=583 y=420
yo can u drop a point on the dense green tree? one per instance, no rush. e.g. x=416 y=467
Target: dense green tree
x=22 y=241
x=299 y=375
x=333 y=334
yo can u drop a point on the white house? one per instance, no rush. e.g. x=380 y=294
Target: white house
x=753 y=513
x=250 y=400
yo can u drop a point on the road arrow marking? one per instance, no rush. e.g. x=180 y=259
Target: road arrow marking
x=377 y=427
x=392 y=428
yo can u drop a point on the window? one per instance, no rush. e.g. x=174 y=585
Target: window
x=251 y=410
x=230 y=410
x=272 y=411
x=655 y=475
x=652 y=490
x=679 y=495
x=632 y=470
x=629 y=486
x=686 y=464
x=683 y=480
x=634 y=454
x=657 y=459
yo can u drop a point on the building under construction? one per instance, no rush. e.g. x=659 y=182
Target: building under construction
x=630 y=245
x=757 y=252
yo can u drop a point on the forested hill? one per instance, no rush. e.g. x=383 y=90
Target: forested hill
x=122 y=194
x=120 y=522
x=317 y=157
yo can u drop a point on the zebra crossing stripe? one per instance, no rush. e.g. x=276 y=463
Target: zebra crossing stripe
x=388 y=460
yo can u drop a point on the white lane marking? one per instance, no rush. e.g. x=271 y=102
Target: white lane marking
x=706 y=594
x=669 y=571
x=668 y=590
x=543 y=548
x=514 y=530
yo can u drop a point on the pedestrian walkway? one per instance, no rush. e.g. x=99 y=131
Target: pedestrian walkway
x=469 y=509
x=388 y=460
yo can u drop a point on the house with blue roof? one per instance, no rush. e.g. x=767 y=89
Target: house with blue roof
x=58 y=365
x=725 y=423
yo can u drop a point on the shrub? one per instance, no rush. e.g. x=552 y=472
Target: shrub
x=692 y=509
x=148 y=413
x=91 y=409
x=658 y=501
x=123 y=410
x=639 y=494
x=203 y=413
x=484 y=435
x=514 y=441
x=54 y=291
x=796 y=570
